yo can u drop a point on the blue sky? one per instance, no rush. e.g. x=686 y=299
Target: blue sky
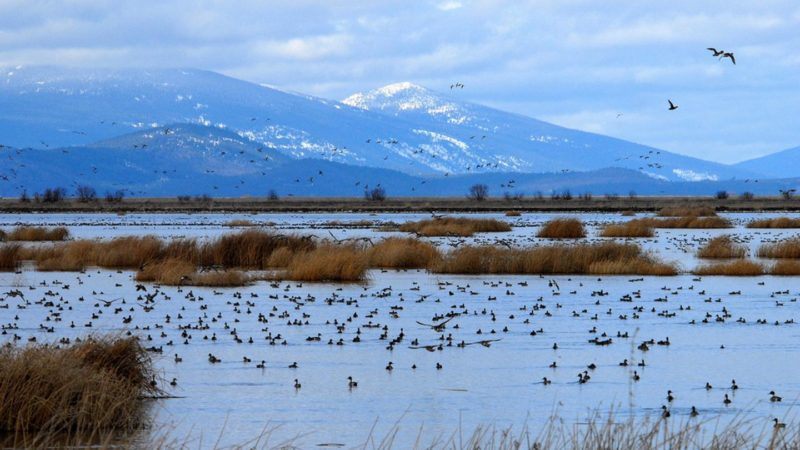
x=578 y=63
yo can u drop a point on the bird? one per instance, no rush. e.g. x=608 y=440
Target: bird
x=729 y=55
x=774 y=397
x=694 y=412
x=778 y=424
x=297 y=384
x=351 y=383
x=715 y=51
x=672 y=106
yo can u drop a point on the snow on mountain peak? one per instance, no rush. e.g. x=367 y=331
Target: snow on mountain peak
x=407 y=97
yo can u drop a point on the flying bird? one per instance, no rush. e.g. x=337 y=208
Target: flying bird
x=672 y=106
x=729 y=55
x=716 y=52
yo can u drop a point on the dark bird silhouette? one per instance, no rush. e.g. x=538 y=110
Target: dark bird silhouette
x=715 y=51
x=672 y=106
x=729 y=55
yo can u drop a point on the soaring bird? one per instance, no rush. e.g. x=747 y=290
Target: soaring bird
x=672 y=106
x=716 y=52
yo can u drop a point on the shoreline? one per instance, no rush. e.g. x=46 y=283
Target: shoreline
x=398 y=205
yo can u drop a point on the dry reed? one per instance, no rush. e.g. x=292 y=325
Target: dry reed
x=454 y=226
x=685 y=222
x=722 y=247
x=400 y=253
x=633 y=229
x=786 y=267
x=97 y=384
x=737 y=268
x=777 y=222
x=686 y=211
x=329 y=263
x=604 y=258
x=32 y=234
x=513 y=213
x=9 y=257
x=562 y=229
x=177 y=272
x=788 y=249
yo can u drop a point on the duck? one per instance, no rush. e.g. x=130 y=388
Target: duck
x=297 y=384
x=774 y=397
x=545 y=381
x=351 y=383
x=670 y=398
x=174 y=382
x=389 y=366
x=694 y=412
x=726 y=401
x=665 y=412
x=778 y=424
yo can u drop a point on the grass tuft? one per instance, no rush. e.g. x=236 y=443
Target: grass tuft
x=788 y=249
x=562 y=229
x=402 y=253
x=97 y=384
x=633 y=229
x=9 y=257
x=608 y=258
x=454 y=226
x=34 y=234
x=722 y=247
x=777 y=222
x=329 y=263
x=737 y=268
x=687 y=211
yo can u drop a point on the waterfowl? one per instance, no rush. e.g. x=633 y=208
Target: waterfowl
x=778 y=424
x=670 y=397
x=708 y=386
x=665 y=412
x=727 y=401
x=389 y=366
x=296 y=384
x=545 y=381
x=350 y=383
x=694 y=412
x=174 y=382
x=773 y=397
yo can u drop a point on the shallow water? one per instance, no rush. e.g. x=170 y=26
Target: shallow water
x=499 y=385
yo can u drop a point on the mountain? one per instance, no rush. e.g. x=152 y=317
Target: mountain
x=782 y=164
x=400 y=127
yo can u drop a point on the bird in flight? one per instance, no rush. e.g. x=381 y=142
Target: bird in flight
x=716 y=52
x=672 y=106
x=729 y=55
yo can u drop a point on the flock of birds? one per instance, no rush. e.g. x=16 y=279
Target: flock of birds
x=530 y=312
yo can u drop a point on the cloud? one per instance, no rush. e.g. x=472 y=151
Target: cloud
x=449 y=5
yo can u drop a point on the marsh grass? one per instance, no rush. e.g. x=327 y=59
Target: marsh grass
x=777 y=222
x=722 y=247
x=632 y=229
x=454 y=226
x=788 y=249
x=566 y=228
x=329 y=263
x=687 y=211
x=34 y=234
x=737 y=268
x=89 y=386
x=402 y=253
x=177 y=272
x=608 y=258
x=10 y=257
x=236 y=223
x=513 y=214
x=685 y=222
x=786 y=267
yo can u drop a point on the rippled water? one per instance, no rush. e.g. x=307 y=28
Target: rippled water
x=500 y=384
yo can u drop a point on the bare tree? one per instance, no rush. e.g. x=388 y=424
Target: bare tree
x=377 y=194
x=478 y=192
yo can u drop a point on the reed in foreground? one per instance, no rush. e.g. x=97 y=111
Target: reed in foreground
x=632 y=229
x=94 y=385
x=737 y=268
x=562 y=229
x=454 y=226
x=722 y=247
x=777 y=222
x=788 y=249
x=786 y=267
x=33 y=234
x=608 y=258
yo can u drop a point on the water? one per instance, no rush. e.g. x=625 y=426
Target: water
x=498 y=385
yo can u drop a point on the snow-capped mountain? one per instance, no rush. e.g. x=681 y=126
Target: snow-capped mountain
x=401 y=127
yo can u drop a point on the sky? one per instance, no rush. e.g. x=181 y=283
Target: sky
x=606 y=66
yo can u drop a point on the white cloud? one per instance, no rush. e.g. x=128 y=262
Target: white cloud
x=449 y=5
